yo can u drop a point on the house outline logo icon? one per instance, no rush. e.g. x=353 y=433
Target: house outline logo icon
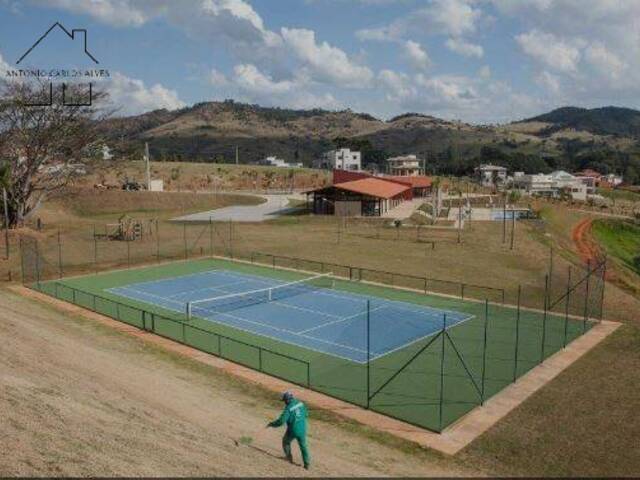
x=73 y=35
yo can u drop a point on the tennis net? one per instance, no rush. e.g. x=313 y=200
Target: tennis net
x=234 y=301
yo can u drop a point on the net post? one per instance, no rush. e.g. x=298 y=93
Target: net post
x=270 y=294
x=566 y=308
x=441 y=400
x=544 y=316
x=484 y=349
x=59 y=255
x=586 y=296
x=515 y=363
x=368 y=353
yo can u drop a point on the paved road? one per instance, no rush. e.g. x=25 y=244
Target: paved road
x=274 y=206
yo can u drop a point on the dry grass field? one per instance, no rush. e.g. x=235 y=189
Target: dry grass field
x=581 y=423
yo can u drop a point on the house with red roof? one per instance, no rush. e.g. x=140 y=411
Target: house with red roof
x=362 y=194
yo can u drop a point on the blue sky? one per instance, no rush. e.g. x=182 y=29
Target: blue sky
x=481 y=61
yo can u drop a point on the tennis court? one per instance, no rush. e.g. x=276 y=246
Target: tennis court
x=307 y=313
x=424 y=358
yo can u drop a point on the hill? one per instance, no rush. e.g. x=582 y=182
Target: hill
x=600 y=121
x=568 y=138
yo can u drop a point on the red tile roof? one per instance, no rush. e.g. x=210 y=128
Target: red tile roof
x=419 y=181
x=589 y=173
x=374 y=187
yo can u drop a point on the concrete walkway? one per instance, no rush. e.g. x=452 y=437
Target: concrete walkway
x=405 y=209
x=274 y=206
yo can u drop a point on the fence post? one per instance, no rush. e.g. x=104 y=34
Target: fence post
x=513 y=228
x=211 y=238
x=515 y=365
x=231 y=238
x=128 y=253
x=184 y=239
x=368 y=353
x=21 y=260
x=441 y=402
x=95 y=250
x=484 y=348
x=59 y=255
x=462 y=290
x=566 y=308
x=157 y=240
x=586 y=296
x=544 y=317
x=604 y=282
x=37 y=265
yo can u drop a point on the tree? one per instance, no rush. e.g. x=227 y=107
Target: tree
x=43 y=148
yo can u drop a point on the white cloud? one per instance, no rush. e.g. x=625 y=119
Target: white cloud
x=135 y=97
x=330 y=64
x=4 y=66
x=485 y=72
x=605 y=61
x=440 y=17
x=549 y=82
x=257 y=86
x=417 y=55
x=549 y=50
x=217 y=78
x=249 y=78
x=464 y=48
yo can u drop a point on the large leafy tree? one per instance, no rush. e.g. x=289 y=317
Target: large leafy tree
x=43 y=148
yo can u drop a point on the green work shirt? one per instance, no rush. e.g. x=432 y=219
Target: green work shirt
x=294 y=416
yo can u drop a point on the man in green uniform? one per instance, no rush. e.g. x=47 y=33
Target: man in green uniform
x=294 y=416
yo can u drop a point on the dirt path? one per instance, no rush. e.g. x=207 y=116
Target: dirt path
x=587 y=249
x=78 y=399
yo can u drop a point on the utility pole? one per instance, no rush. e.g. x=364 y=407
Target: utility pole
x=6 y=223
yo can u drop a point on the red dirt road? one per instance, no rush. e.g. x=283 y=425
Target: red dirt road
x=587 y=248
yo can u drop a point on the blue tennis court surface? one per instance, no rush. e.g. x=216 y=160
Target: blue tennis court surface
x=321 y=319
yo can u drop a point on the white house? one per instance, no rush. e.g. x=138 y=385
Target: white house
x=490 y=175
x=404 y=166
x=613 y=179
x=551 y=185
x=278 y=162
x=342 y=159
x=539 y=184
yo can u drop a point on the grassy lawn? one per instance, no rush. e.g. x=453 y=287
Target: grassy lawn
x=106 y=203
x=619 y=194
x=584 y=423
x=620 y=239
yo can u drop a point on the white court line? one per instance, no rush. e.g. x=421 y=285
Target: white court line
x=343 y=319
x=143 y=293
x=210 y=288
x=284 y=330
x=302 y=309
x=425 y=311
